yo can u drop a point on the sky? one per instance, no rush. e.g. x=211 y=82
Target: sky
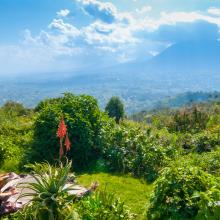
x=43 y=36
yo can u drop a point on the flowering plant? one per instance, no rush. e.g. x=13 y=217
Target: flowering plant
x=62 y=133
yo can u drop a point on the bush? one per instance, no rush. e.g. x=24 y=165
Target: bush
x=9 y=150
x=201 y=142
x=15 y=140
x=102 y=205
x=84 y=121
x=135 y=149
x=178 y=193
x=207 y=140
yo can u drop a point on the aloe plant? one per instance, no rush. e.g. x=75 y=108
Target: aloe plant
x=50 y=199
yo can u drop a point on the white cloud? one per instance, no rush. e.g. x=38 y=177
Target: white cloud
x=107 y=35
x=144 y=9
x=54 y=45
x=175 y=17
x=105 y=11
x=63 y=13
x=149 y=24
x=154 y=53
x=64 y=28
x=214 y=11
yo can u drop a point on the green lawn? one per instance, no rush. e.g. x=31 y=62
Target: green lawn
x=132 y=191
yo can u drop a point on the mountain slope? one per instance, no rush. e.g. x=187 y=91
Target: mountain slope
x=192 y=57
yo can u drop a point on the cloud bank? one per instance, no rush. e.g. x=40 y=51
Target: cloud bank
x=106 y=36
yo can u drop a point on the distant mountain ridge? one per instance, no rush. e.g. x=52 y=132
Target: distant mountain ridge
x=182 y=67
x=189 y=56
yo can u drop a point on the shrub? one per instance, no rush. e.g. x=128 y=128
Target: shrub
x=207 y=140
x=178 y=191
x=9 y=151
x=204 y=141
x=15 y=140
x=102 y=205
x=135 y=149
x=84 y=121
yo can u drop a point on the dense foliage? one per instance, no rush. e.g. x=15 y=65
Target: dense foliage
x=84 y=121
x=136 y=149
x=16 y=128
x=179 y=193
x=176 y=149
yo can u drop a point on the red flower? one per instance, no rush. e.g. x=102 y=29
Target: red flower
x=67 y=143
x=61 y=131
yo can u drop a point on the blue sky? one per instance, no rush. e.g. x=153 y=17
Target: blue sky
x=39 y=36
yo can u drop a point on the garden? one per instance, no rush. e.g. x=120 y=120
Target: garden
x=166 y=165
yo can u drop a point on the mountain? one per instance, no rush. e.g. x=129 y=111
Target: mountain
x=182 y=67
x=191 y=57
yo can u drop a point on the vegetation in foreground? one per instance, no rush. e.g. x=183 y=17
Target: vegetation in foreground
x=177 y=151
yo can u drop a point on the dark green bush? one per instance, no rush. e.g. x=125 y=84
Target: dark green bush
x=178 y=193
x=84 y=122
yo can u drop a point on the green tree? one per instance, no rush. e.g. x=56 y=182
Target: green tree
x=84 y=122
x=115 y=109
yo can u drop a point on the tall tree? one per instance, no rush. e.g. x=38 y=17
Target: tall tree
x=115 y=109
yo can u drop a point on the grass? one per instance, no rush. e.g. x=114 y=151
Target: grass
x=134 y=192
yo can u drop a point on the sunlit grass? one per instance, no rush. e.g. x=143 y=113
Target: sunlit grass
x=134 y=192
